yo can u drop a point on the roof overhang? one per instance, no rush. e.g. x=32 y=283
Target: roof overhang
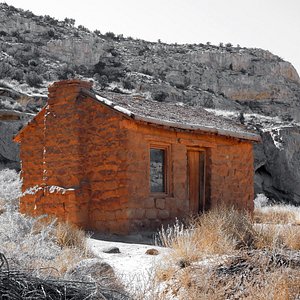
x=191 y=127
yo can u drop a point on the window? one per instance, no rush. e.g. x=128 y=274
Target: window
x=157 y=170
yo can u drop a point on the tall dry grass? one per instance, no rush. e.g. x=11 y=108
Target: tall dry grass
x=277 y=214
x=204 y=251
x=219 y=231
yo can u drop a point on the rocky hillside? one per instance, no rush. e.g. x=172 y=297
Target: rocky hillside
x=251 y=86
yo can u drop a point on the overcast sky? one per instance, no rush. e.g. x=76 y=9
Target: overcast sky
x=269 y=24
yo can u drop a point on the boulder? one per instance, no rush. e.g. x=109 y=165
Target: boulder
x=97 y=271
x=111 y=249
x=9 y=151
x=278 y=164
x=91 y=269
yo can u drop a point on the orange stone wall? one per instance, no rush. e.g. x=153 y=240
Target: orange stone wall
x=88 y=164
x=229 y=173
x=74 y=162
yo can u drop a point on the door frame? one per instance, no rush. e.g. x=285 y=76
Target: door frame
x=202 y=178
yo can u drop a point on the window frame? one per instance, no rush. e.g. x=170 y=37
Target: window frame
x=166 y=168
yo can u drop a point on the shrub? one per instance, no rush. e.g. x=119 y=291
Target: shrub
x=159 y=96
x=6 y=70
x=219 y=231
x=271 y=236
x=110 y=35
x=97 y=32
x=69 y=21
x=65 y=72
x=68 y=235
x=10 y=189
x=33 y=79
x=18 y=75
x=277 y=214
x=82 y=28
x=254 y=275
x=51 y=33
x=127 y=84
x=41 y=245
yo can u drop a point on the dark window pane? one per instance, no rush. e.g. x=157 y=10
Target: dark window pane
x=157 y=170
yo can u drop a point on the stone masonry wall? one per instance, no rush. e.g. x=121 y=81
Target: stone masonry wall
x=106 y=147
x=88 y=164
x=56 y=149
x=75 y=161
x=231 y=168
x=229 y=174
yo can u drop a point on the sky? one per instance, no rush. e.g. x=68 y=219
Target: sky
x=272 y=25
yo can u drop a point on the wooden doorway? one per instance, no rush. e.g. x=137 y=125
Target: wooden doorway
x=196 y=180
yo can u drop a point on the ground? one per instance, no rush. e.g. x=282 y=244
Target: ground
x=132 y=264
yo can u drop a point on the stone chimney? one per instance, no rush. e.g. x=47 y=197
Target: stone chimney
x=65 y=90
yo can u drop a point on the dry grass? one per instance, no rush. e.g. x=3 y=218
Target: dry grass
x=68 y=235
x=59 y=265
x=270 y=236
x=254 y=275
x=262 y=261
x=219 y=231
x=277 y=214
x=41 y=245
x=71 y=240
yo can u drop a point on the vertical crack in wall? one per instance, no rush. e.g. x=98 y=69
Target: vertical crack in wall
x=44 y=147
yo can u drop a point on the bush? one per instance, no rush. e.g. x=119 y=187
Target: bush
x=33 y=79
x=277 y=214
x=68 y=235
x=10 y=189
x=159 y=96
x=18 y=75
x=6 y=70
x=127 y=84
x=97 y=32
x=35 y=244
x=82 y=28
x=65 y=72
x=222 y=254
x=110 y=35
x=219 y=231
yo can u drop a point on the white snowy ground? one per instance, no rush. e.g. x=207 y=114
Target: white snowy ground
x=132 y=265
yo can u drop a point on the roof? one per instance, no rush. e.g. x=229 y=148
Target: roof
x=173 y=115
x=176 y=115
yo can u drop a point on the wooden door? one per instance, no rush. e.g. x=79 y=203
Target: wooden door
x=196 y=180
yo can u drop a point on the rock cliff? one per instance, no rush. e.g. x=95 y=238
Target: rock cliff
x=251 y=86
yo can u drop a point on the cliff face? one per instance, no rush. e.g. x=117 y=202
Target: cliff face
x=251 y=86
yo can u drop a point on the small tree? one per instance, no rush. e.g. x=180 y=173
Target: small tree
x=110 y=35
x=69 y=21
x=97 y=32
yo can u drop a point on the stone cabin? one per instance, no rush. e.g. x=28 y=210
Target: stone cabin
x=121 y=163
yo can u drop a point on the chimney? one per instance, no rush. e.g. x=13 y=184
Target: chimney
x=66 y=90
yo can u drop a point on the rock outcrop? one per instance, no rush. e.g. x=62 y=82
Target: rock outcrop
x=9 y=151
x=37 y=50
x=279 y=176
